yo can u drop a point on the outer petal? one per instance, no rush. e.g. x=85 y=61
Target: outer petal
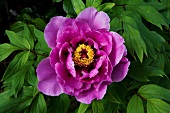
x=108 y=37
x=120 y=70
x=118 y=48
x=96 y=20
x=117 y=39
x=67 y=32
x=87 y=96
x=70 y=83
x=117 y=54
x=54 y=57
x=47 y=78
x=51 y=30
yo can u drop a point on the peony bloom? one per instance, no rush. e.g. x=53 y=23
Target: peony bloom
x=85 y=56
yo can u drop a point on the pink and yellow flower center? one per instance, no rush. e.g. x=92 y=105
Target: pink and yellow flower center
x=83 y=55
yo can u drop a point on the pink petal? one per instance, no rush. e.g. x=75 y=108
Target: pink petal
x=67 y=32
x=51 y=30
x=117 y=54
x=92 y=43
x=83 y=26
x=63 y=53
x=120 y=70
x=93 y=73
x=87 y=96
x=117 y=39
x=108 y=37
x=77 y=40
x=47 y=79
x=118 y=48
x=96 y=20
x=85 y=86
x=70 y=65
x=54 y=57
x=98 y=37
x=70 y=83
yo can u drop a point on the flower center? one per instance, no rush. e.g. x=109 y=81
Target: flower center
x=83 y=55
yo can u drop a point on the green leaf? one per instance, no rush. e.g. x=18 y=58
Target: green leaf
x=39 y=58
x=56 y=0
x=135 y=2
x=133 y=38
x=50 y=12
x=93 y=3
x=119 y=92
x=110 y=97
x=29 y=91
x=31 y=76
x=116 y=12
x=135 y=105
x=14 y=105
x=27 y=35
x=146 y=35
x=16 y=81
x=156 y=4
x=63 y=104
x=151 y=15
x=140 y=72
x=159 y=62
x=6 y=50
x=68 y=7
x=31 y=28
x=17 y=26
x=115 y=24
x=27 y=10
x=97 y=106
x=166 y=12
x=135 y=84
x=154 y=91
x=39 y=105
x=25 y=18
x=53 y=101
x=88 y=111
x=78 y=5
x=167 y=64
x=41 y=46
x=133 y=41
x=39 y=23
x=82 y=108
x=18 y=41
x=157 y=106
x=16 y=64
x=110 y=107
x=121 y=2
x=31 y=56
x=105 y=6
x=4 y=95
x=157 y=40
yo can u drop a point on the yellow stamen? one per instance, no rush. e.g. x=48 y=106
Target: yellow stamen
x=83 y=59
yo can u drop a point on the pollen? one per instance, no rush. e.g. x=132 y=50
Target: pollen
x=83 y=55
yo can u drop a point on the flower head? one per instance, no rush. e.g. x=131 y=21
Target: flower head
x=85 y=57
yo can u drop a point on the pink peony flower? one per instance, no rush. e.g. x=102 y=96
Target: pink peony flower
x=85 y=57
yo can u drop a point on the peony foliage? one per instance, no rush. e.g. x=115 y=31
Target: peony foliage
x=97 y=56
